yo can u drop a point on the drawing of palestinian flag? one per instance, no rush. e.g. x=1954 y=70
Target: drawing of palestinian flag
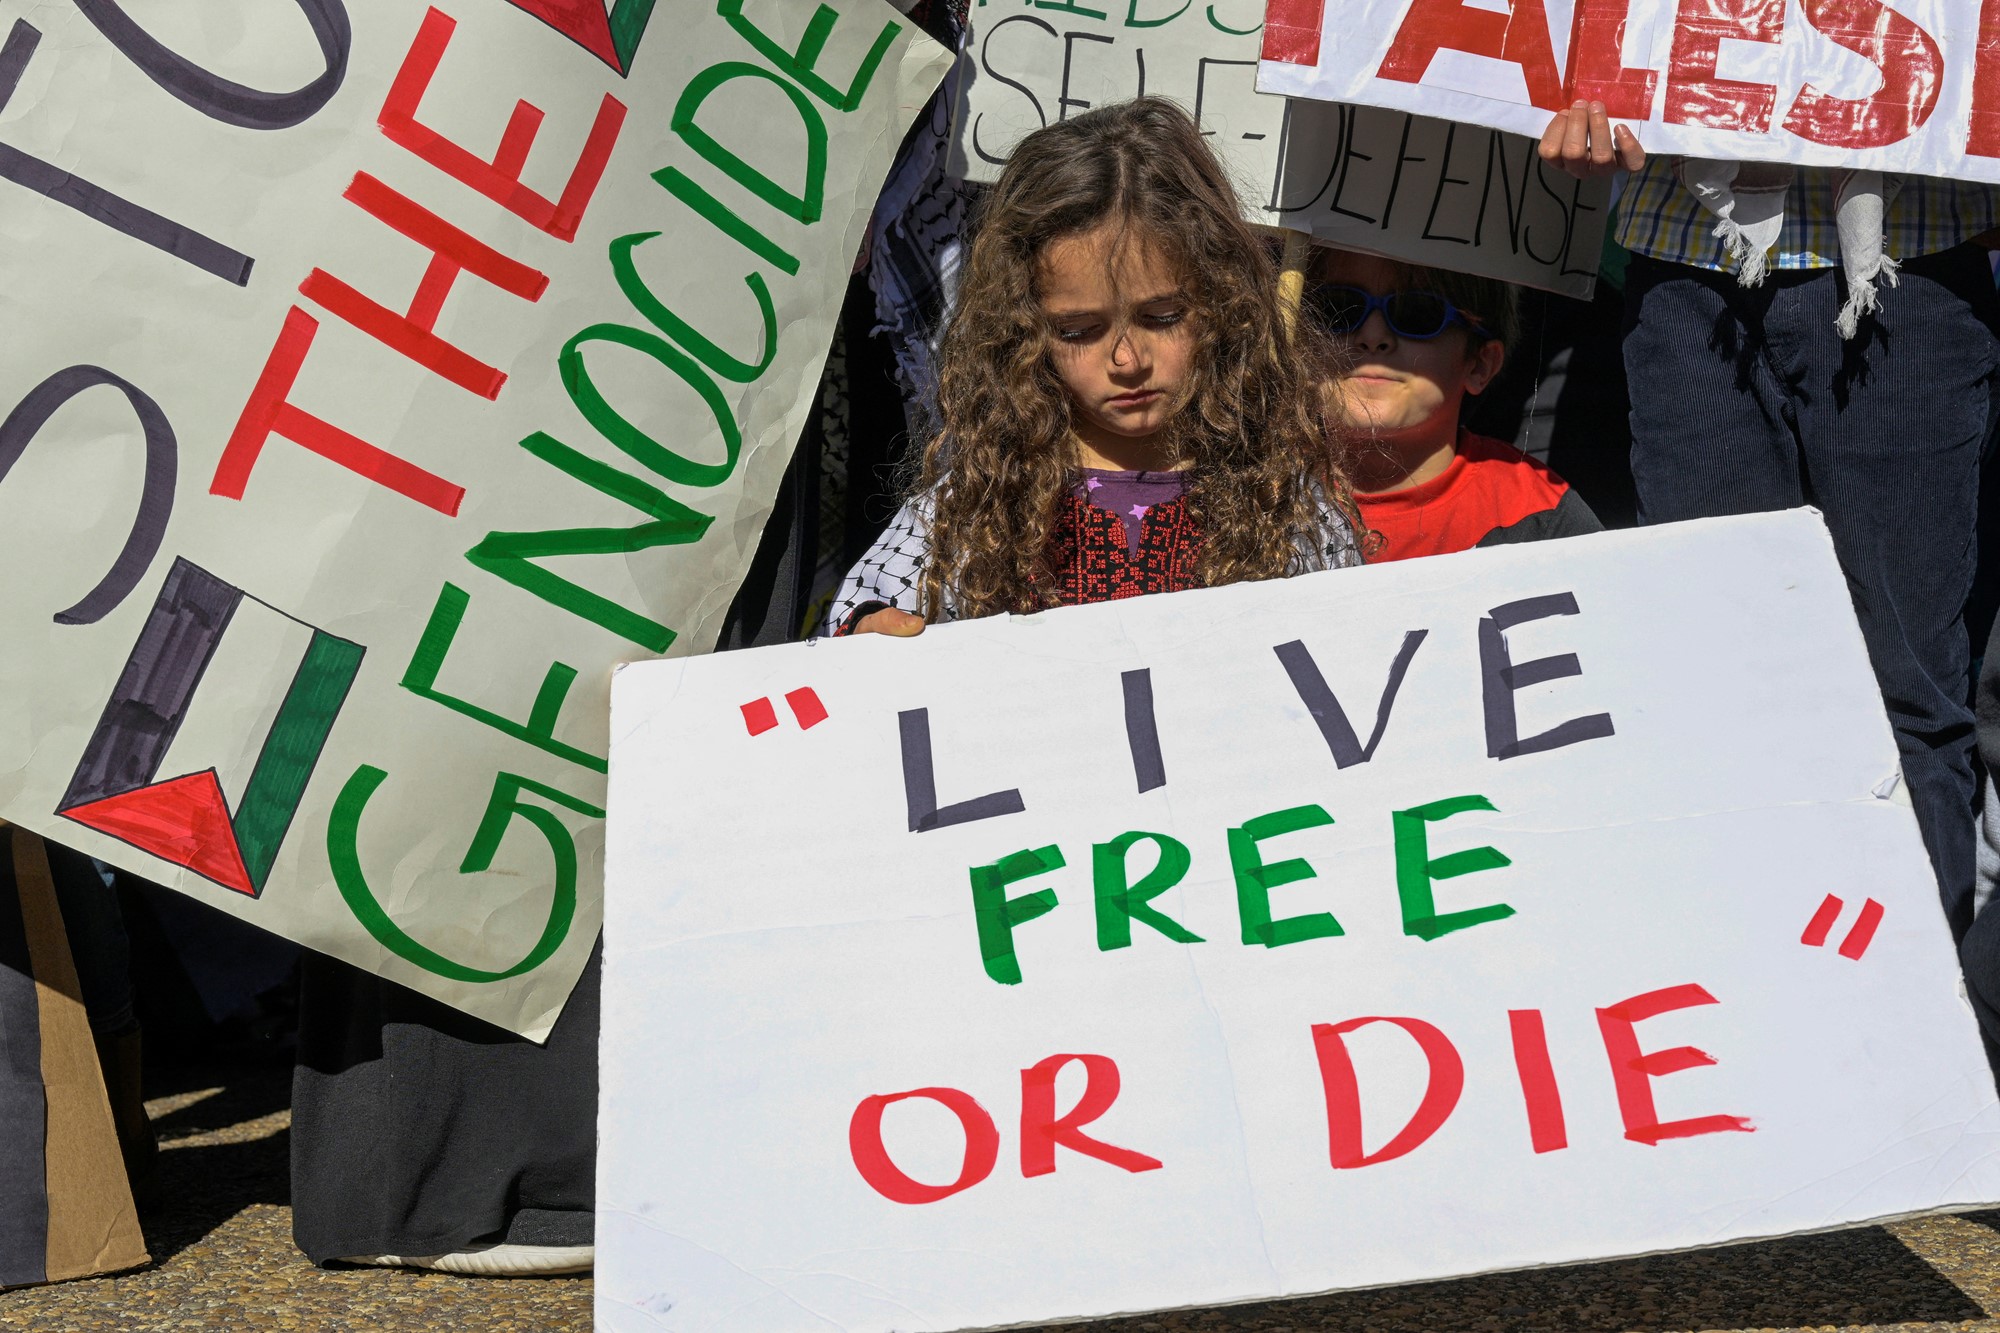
x=608 y=29
x=238 y=756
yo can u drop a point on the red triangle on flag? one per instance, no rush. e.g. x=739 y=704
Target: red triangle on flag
x=582 y=21
x=184 y=820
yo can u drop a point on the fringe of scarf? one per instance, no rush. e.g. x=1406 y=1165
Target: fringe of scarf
x=1747 y=200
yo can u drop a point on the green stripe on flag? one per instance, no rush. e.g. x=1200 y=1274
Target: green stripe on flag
x=628 y=23
x=278 y=783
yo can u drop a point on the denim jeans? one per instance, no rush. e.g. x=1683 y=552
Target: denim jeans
x=1746 y=399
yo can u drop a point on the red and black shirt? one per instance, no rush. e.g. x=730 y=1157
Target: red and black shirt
x=1490 y=495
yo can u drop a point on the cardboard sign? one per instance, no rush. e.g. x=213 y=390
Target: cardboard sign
x=1902 y=89
x=1421 y=190
x=69 y=1207
x=1517 y=907
x=373 y=377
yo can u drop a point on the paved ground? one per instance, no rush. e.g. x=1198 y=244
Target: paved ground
x=220 y=1232
x=221 y=1238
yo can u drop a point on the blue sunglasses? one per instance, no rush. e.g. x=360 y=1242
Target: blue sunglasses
x=1420 y=316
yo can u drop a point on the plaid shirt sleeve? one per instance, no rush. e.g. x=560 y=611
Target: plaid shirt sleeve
x=1660 y=217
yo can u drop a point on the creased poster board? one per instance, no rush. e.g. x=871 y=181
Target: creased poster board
x=1906 y=88
x=373 y=376
x=1642 y=785
x=1409 y=187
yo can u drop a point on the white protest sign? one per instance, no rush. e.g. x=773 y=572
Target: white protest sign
x=1547 y=904
x=1421 y=190
x=352 y=430
x=1818 y=82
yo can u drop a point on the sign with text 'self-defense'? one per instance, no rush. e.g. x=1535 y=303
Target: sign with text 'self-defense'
x=1516 y=907
x=1911 y=87
x=373 y=376
x=1411 y=187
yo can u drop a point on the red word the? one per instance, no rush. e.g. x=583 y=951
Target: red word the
x=454 y=252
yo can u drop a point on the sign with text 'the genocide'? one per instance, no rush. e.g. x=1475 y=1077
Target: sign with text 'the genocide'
x=373 y=377
x=1414 y=188
x=1516 y=907
x=1912 y=87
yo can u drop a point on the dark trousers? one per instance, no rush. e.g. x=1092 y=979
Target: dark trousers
x=97 y=940
x=1747 y=399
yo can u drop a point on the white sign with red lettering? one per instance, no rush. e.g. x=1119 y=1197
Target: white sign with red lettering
x=1517 y=907
x=1856 y=83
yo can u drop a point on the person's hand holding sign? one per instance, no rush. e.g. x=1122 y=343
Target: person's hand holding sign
x=1582 y=142
x=889 y=620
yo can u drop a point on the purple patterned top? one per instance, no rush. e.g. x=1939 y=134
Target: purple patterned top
x=1129 y=495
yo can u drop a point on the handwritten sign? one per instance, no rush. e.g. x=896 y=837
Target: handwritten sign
x=1413 y=188
x=1516 y=907
x=374 y=376
x=1895 y=89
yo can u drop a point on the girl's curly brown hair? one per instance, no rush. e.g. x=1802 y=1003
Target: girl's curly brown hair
x=1261 y=452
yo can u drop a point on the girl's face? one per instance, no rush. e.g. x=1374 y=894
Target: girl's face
x=1120 y=334
x=1394 y=384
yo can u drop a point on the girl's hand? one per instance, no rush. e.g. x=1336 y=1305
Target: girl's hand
x=890 y=621
x=1582 y=142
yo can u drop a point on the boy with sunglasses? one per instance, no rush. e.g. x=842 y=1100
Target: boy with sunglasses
x=1417 y=342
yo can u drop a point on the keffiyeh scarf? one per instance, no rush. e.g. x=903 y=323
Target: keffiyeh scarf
x=1748 y=201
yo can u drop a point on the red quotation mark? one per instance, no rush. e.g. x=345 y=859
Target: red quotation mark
x=759 y=715
x=1858 y=938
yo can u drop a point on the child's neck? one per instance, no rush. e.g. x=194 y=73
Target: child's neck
x=1124 y=453
x=1387 y=463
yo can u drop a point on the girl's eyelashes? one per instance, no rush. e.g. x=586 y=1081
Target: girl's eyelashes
x=1161 y=317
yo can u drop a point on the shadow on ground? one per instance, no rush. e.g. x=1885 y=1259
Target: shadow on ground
x=201 y=1188
x=1862 y=1277
x=1986 y=1217
x=219 y=1154
x=240 y=1099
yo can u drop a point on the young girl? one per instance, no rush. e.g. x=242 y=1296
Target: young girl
x=1123 y=407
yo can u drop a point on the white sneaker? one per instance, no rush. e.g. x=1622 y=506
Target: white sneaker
x=493 y=1261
